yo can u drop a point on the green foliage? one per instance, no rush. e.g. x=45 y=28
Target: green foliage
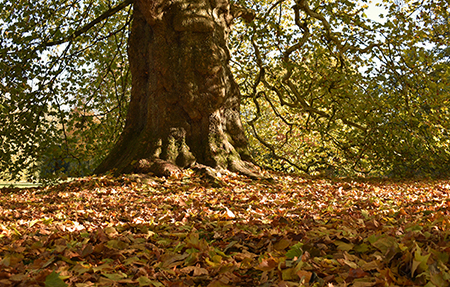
x=63 y=102
x=343 y=94
x=334 y=92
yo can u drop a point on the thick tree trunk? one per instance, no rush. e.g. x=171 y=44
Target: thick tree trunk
x=184 y=107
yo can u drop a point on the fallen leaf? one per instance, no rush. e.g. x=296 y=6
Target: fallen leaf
x=54 y=280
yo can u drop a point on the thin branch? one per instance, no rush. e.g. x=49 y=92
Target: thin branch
x=97 y=20
x=303 y=5
x=273 y=150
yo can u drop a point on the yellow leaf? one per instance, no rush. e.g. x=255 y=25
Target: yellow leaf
x=289 y=274
x=282 y=244
x=212 y=264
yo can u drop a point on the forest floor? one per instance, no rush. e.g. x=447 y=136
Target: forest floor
x=188 y=231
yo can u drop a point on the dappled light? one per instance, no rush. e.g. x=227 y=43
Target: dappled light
x=185 y=230
x=224 y=143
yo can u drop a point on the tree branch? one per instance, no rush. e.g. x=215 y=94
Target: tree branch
x=238 y=11
x=97 y=20
x=303 y=5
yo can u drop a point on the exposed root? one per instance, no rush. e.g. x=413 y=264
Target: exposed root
x=210 y=174
x=156 y=166
x=246 y=168
x=159 y=167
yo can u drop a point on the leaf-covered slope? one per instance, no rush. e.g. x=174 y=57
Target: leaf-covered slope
x=185 y=231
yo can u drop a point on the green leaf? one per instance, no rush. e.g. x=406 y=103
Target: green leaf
x=384 y=244
x=295 y=251
x=115 y=276
x=419 y=263
x=414 y=228
x=54 y=280
x=361 y=248
x=144 y=281
x=343 y=246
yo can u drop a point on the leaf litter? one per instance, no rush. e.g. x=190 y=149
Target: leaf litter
x=187 y=231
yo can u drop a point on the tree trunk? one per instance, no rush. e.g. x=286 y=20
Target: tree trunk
x=184 y=107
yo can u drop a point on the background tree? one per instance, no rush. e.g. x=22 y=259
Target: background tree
x=48 y=72
x=334 y=91
x=345 y=94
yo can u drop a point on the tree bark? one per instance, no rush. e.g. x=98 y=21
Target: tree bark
x=184 y=108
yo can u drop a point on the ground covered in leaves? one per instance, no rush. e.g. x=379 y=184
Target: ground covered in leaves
x=188 y=231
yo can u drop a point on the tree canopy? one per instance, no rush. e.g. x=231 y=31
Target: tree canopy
x=326 y=89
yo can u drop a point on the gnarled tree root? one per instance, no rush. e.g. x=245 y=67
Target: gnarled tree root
x=161 y=167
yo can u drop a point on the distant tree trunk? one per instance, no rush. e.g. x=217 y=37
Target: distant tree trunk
x=184 y=107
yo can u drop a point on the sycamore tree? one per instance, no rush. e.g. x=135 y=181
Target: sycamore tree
x=147 y=86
